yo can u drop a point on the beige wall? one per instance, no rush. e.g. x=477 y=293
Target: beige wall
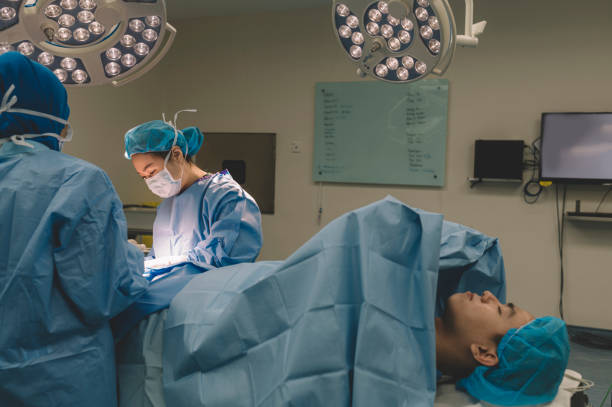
x=257 y=74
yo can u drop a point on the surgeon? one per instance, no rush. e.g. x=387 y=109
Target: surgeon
x=500 y=352
x=206 y=219
x=66 y=267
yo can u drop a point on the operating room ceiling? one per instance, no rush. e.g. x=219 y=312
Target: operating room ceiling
x=180 y=9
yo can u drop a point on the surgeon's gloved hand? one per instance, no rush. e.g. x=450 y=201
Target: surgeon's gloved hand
x=156 y=267
x=165 y=262
x=141 y=247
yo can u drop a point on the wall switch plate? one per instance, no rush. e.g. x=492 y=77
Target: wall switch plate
x=296 y=147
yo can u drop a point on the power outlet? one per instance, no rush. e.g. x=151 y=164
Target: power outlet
x=296 y=147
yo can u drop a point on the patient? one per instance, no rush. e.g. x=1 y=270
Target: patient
x=349 y=320
x=500 y=351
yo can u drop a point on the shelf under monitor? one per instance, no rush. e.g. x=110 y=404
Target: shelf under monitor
x=590 y=216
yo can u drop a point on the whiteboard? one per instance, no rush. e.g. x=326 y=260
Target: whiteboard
x=381 y=133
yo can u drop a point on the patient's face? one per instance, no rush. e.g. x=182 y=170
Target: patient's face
x=483 y=317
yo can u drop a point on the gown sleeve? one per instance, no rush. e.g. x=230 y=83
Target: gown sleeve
x=235 y=230
x=97 y=269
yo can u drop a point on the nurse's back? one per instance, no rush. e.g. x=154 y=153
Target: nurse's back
x=44 y=304
x=65 y=265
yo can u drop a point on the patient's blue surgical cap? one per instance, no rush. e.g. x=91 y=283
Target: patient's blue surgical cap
x=36 y=88
x=532 y=362
x=157 y=136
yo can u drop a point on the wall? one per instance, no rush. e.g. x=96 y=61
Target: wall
x=101 y=115
x=257 y=74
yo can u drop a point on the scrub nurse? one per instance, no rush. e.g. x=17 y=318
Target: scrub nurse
x=66 y=267
x=206 y=219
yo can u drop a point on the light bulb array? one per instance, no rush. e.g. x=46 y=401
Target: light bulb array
x=396 y=40
x=88 y=42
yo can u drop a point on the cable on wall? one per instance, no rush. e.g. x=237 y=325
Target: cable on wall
x=560 y=239
x=533 y=189
x=320 y=203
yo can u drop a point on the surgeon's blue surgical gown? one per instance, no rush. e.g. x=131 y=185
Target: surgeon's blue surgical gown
x=214 y=223
x=65 y=270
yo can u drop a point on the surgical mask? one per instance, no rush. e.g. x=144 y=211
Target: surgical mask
x=20 y=139
x=162 y=184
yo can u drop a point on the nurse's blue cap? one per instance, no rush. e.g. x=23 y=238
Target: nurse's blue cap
x=36 y=88
x=158 y=136
x=532 y=362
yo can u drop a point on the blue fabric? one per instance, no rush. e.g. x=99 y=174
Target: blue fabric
x=157 y=297
x=65 y=269
x=532 y=362
x=158 y=136
x=214 y=223
x=36 y=88
x=348 y=319
x=315 y=275
x=469 y=261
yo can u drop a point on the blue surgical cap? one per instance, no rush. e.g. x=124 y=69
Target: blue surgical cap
x=36 y=88
x=158 y=136
x=532 y=362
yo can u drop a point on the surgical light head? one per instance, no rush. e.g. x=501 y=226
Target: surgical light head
x=88 y=42
x=400 y=41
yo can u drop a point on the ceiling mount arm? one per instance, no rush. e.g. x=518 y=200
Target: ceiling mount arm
x=472 y=31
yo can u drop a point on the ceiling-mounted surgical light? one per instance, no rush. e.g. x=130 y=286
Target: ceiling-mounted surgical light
x=88 y=42
x=401 y=41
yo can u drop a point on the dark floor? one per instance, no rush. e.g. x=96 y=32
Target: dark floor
x=595 y=365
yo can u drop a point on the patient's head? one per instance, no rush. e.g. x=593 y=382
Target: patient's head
x=471 y=329
x=503 y=354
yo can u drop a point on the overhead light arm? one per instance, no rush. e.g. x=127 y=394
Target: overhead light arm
x=472 y=31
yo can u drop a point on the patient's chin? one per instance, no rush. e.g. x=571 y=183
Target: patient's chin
x=449 y=318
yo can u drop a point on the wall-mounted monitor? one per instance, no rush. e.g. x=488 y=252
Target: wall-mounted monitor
x=576 y=147
x=498 y=160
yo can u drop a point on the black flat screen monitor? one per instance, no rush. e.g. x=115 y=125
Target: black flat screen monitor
x=498 y=159
x=576 y=148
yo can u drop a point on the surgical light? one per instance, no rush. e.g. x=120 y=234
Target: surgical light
x=81 y=35
x=45 y=58
x=149 y=35
x=89 y=42
x=137 y=25
x=63 y=34
x=127 y=41
x=96 y=28
x=61 y=74
x=357 y=38
x=69 y=4
x=79 y=76
x=141 y=49
x=53 y=11
x=68 y=64
x=7 y=13
x=86 y=16
x=26 y=48
x=421 y=34
x=88 y=4
x=66 y=20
